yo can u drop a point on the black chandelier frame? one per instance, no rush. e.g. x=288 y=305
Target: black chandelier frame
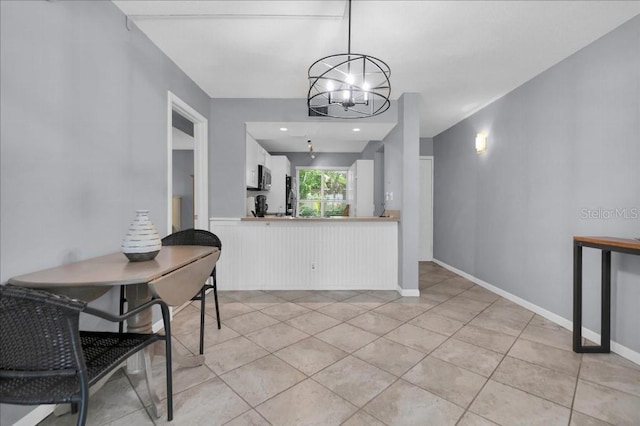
x=359 y=99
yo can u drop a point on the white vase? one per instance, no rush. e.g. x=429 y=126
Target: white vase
x=142 y=241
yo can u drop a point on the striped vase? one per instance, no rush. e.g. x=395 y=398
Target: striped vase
x=142 y=241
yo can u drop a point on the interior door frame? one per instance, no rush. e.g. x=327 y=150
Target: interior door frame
x=200 y=161
x=430 y=158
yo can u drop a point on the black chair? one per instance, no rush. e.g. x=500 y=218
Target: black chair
x=193 y=237
x=45 y=359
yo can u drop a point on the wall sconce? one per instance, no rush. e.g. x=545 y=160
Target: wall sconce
x=481 y=142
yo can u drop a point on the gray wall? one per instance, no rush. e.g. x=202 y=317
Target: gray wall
x=426 y=147
x=227 y=185
x=182 y=184
x=375 y=151
x=83 y=107
x=401 y=161
x=564 y=143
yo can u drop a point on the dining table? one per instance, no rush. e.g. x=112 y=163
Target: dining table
x=175 y=275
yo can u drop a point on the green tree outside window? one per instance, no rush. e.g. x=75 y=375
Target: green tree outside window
x=322 y=192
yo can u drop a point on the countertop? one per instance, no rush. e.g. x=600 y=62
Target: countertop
x=320 y=219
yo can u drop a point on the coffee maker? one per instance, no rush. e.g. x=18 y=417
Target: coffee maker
x=261 y=205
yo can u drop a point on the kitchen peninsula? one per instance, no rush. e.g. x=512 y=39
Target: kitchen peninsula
x=285 y=253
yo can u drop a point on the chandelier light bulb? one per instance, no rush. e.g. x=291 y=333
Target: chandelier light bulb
x=349 y=78
x=365 y=88
x=330 y=86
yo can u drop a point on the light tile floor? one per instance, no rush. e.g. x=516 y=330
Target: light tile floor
x=457 y=355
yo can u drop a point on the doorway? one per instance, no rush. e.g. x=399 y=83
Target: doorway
x=182 y=212
x=199 y=185
x=425 y=244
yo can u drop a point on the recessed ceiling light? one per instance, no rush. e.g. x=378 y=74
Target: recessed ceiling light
x=356 y=129
x=284 y=129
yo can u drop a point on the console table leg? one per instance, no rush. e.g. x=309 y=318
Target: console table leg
x=605 y=310
x=577 y=297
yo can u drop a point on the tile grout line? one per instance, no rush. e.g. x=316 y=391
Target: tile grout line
x=307 y=377
x=494 y=370
x=377 y=338
x=358 y=409
x=402 y=322
x=352 y=353
x=575 y=388
x=400 y=377
x=405 y=322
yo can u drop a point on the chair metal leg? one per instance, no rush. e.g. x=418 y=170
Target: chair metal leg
x=84 y=401
x=168 y=360
x=215 y=296
x=202 y=295
x=82 y=415
x=122 y=300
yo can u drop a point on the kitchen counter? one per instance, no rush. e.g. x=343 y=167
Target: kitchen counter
x=321 y=219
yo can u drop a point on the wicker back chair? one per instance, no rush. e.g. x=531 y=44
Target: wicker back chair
x=193 y=237
x=45 y=359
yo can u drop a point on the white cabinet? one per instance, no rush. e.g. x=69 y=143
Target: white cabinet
x=360 y=188
x=277 y=197
x=255 y=155
x=251 y=162
x=264 y=157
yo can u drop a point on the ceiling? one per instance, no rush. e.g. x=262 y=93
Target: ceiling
x=325 y=137
x=458 y=55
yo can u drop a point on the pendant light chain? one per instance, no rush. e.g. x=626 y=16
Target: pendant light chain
x=349 y=42
x=349 y=34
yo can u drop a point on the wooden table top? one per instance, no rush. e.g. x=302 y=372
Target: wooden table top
x=628 y=243
x=113 y=269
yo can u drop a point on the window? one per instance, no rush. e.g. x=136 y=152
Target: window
x=322 y=192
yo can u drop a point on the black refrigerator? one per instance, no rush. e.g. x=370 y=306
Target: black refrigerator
x=290 y=194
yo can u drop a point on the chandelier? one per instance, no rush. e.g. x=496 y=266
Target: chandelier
x=349 y=85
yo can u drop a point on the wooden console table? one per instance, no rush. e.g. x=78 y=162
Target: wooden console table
x=175 y=276
x=606 y=245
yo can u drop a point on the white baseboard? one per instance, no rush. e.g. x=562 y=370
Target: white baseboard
x=412 y=292
x=589 y=334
